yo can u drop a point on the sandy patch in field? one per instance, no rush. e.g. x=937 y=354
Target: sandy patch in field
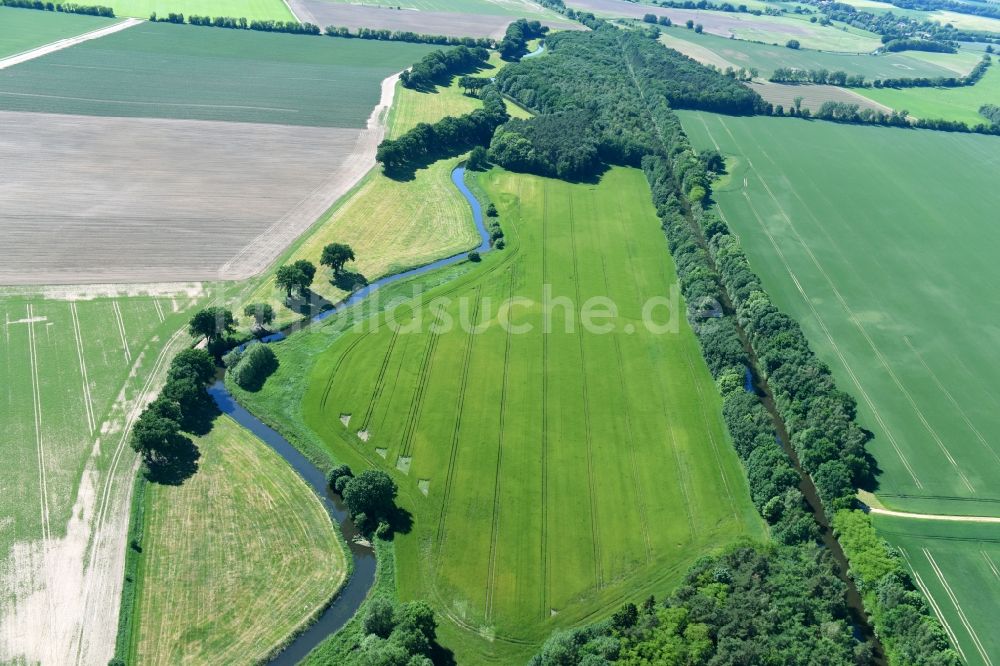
x=812 y=96
x=66 y=591
x=433 y=23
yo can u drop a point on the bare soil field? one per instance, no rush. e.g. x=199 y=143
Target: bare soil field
x=137 y=199
x=812 y=96
x=434 y=23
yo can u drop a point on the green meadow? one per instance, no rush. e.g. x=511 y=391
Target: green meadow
x=890 y=269
x=957 y=566
x=274 y=10
x=162 y=70
x=24 y=29
x=949 y=103
x=550 y=476
x=515 y=8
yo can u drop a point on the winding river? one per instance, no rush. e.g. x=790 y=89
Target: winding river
x=356 y=589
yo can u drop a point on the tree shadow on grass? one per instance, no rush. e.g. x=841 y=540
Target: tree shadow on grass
x=349 y=281
x=178 y=468
x=441 y=656
x=307 y=304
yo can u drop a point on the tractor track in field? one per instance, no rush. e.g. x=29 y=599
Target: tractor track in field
x=546 y=592
x=88 y=402
x=495 y=527
x=416 y=404
x=39 y=438
x=456 y=433
x=629 y=437
x=958 y=608
x=340 y=362
x=595 y=528
x=380 y=380
x=61 y=44
x=852 y=317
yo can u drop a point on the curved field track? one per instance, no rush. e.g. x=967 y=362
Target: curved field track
x=235 y=559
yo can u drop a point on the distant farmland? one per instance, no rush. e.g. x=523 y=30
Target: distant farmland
x=551 y=476
x=453 y=23
x=177 y=198
x=24 y=29
x=891 y=270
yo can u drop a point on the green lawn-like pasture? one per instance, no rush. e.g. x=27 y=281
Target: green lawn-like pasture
x=163 y=70
x=274 y=10
x=949 y=103
x=889 y=268
x=24 y=29
x=957 y=565
x=767 y=57
x=550 y=477
x=235 y=559
x=69 y=369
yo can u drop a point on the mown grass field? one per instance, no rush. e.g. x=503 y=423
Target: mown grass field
x=949 y=103
x=73 y=372
x=25 y=29
x=163 y=70
x=393 y=225
x=736 y=53
x=235 y=559
x=275 y=10
x=888 y=267
x=957 y=565
x=551 y=477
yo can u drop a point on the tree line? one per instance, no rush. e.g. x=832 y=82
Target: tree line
x=67 y=8
x=892 y=26
x=842 y=79
x=728 y=308
x=384 y=35
x=973 y=8
x=438 y=67
x=449 y=136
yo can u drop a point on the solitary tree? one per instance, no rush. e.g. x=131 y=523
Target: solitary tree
x=689 y=23
x=698 y=28
x=335 y=255
x=792 y=43
x=212 y=323
x=262 y=313
x=372 y=493
x=288 y=278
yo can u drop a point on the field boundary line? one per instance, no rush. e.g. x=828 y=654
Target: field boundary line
x=495 y=528
x=829 y=336
x=595 y=528
x=935 y=516
x=934 y=605
x=61 y=44
x=88 y=403
x=39 y=439
x=544 y=544
x=961 y=613
x=456 y=432
x=883 y=361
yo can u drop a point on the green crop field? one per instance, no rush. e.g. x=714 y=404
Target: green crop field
x=556 y=474
x=275 y=10
x=235 y=559
x=949 y=103
x=516 y=8
x=25 y=29
x=766 y=58
x=169 y=71
x=888 y=267
x=957 y=566
x=74 y=366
